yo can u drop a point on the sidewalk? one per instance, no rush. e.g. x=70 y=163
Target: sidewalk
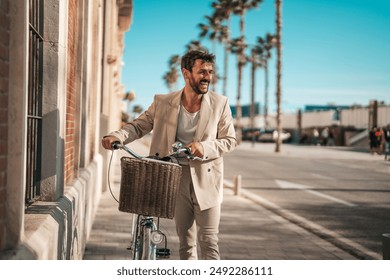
x=247 y=231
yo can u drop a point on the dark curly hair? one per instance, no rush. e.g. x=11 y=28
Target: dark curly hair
x=188 y=60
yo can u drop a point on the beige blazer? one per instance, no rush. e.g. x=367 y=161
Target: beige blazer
x=215 y=132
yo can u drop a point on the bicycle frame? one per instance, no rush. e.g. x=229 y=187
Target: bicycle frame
x=145 y=238
x=145 y=234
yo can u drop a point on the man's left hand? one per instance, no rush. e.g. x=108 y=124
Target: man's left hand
x=196 y=149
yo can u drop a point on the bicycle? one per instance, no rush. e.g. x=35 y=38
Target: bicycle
x=145 y=232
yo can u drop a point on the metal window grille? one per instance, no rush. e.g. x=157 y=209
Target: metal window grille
x=34 y=108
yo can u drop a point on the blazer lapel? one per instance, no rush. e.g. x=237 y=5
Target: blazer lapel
x=172 y=114
x=205 y=113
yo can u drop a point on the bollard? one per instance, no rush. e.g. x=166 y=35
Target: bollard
x=237 y=185
x=386 y=246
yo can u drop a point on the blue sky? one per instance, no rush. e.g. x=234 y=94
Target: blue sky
x=334 y=51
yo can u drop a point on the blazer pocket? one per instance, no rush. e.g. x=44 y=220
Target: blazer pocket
x=215 y=169
x=209 y=173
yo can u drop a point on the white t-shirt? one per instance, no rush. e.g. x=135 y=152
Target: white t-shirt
x=186 y=127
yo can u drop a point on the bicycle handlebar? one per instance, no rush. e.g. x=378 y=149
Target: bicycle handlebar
x=177 y=150
x=117 y=145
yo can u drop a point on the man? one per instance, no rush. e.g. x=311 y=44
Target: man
x=202 y=121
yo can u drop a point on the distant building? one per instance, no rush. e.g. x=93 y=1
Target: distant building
x=311 y=108
x=246 y=109
x=335 y=108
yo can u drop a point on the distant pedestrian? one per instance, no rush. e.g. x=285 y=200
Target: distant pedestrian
x=380 y=138
x=386 y=136
x=331 y=137
x=304 y=139
x=373 y=141
x=315 y=136
x=325 y=136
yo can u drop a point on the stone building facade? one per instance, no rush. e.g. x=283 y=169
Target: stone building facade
x=60 y=91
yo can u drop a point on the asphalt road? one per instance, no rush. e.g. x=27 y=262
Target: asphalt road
x=340 y=195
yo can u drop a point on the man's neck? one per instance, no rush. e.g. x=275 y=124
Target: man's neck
x=191 y=101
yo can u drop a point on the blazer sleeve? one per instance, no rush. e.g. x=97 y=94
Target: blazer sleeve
x=226 y=136
x=138 y=127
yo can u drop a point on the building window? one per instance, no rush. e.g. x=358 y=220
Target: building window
x=34 y=108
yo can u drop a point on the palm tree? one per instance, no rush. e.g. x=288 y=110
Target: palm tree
x=137 y=110
x=237 y=46
x=256 y=60
x=194 y=45
x=212 y=30
x=224 y=37
x=242 y=6
x=266 y=45
x=278 y=4
x=170 y=78
x=172 y=75
x=260 y=54
x=224 y=9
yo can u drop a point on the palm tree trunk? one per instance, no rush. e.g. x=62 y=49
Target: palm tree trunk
x=266 y=123
x=225 y=70
x=252 y=111
x=238 y=104
x=278 y=71
x=214 y=81
x=239 y=84
x=226 y=58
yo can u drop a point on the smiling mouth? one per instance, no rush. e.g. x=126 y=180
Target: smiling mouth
x=204 y=83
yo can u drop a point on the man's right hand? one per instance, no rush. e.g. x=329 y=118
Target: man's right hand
x=107 y=142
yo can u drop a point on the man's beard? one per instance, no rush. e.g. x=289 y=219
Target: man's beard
x=196 y=88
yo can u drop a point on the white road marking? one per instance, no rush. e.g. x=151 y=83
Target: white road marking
x=290 y=185
x=323 y=177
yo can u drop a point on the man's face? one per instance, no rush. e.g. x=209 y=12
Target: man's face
x=201 y=76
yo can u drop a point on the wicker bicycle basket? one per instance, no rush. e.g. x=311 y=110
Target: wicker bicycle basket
x=148 y=187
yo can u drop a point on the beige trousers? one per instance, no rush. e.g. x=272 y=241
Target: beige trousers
x=194 y=226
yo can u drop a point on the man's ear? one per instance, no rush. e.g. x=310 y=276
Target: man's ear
x=184 y=72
